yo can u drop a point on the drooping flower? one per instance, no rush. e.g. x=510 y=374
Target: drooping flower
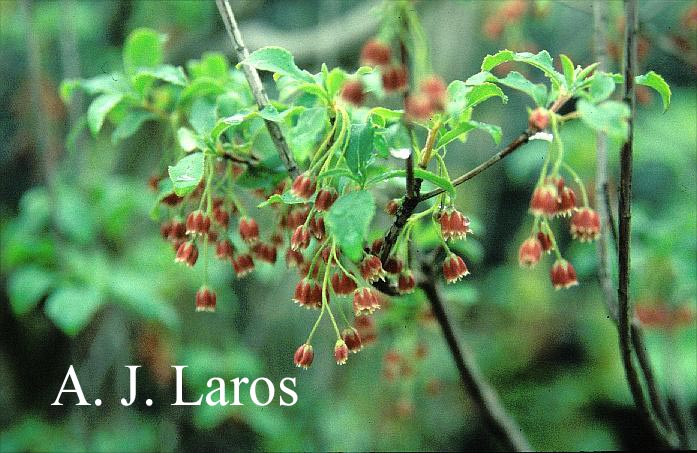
x=530 y=252
x=563 y=274
x=303 y=356
x=585 y=225
x=454 y=268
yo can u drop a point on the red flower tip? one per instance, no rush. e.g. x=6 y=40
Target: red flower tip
x=249 y=230
x=538 y=119
x=187 y=253
x=342 y=284
x=365 y=301
x=371 y=268
x=242 y=265
x=197 y=223
x=406 y=283
x=303 y=186
x=325 y=199
x=544 y=201
x=224 y=249
x=308 y=293
x=453 y=225
x=300 y=239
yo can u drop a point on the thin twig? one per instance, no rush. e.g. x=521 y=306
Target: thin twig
x=514 y=145
x=624 y=247
x=494 y=416
x=255 y=84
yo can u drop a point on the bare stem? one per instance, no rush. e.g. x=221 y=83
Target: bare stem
x=494 y=415
x=255 y=84
x=625 y=217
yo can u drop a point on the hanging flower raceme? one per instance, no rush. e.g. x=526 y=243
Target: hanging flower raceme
x=294 y=258
x=197 y=223
x=265 y=252
x=224 y=249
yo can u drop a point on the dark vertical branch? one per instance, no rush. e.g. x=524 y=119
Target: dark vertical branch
x=625 y=217
x=494 y=417
x=255 y=84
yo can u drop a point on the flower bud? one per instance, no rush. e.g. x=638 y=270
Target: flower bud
x=224 y=249
x=585 y=225
x=341 y=352
x=197 y=223
x=393 y=265
x=317 y=227
x=418 y=107
x=435 y=89
x=303 y=356
x=342 y=284
x=300 y=239
x=265 y=252
x=221 y=217
x=567 y=202
x=352 y=339
x=395 y=78
x=375 y=53
x=365 y=301
x=563 y=274
x=205 y=300
x=293 y=258
x=308 y=293
x=538 y=119
x=187 y=253
x=530 y=252
x=249 y=230
x=242 y=265
x=454 y=268
x=453 y=225
x=303 y=186
x=353 y=93
x=544 y=201
x=325 y=199
x=371 y=268
x=546 y=242
x=393 y=206
x=406 y=283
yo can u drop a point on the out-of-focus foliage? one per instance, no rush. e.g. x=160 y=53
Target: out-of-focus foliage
x=76 y=228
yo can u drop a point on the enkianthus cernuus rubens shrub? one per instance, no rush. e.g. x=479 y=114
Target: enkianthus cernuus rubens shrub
x=223 y=192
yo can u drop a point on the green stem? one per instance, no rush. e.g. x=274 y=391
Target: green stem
x=578 y=181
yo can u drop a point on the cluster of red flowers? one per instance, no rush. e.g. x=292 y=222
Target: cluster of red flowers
x=509 y=13
x=552 y=198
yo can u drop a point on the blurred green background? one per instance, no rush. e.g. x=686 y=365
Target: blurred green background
x=86 y=279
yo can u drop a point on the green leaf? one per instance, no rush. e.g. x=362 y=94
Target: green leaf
x=143 y=48
x=286 y=198
x=609 y=117
x=387 y=114
x=384 y=176
x=27 y=286
x=491 y=61
x=516 y=81
x=454 y=134
x=71 y=308
x=655 y=81
x=99 y=109
x=202 y=116
x=360 y=148
x=187 y=173
x=199 y=88
x=348 y=220
x=600 y=87
x=434 y=179
x=188 y=140
x=492 y=129
x=130 y=124
x=568 y=68
x=542 y=61
x=279 y=61
x=167 y=73
x=335 y=81
x=303 y=136
x=480 y=93
x=212 y=64
x=224 y=124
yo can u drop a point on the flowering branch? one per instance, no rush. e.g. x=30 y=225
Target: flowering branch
x=255 y=84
